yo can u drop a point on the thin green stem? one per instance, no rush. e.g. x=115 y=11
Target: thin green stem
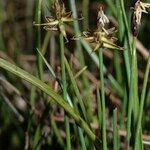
x=115 y=130
x=117 y=65
x=99 y=107
x=95 y=59
x=64 y=84
x=104 y=140
x=45 y=43
x=56 y=132
x=82 y=138
x=126 y=23
x=81 y=59
x=39 y=60
x=85 y=10
x=80 y=72
x=39 y=69
x=131 y=92
x=142 y=100
x=147 y=101
x=127 y=62
x=136 y=97
x=76 y=90
x=125 y=38
x=124 y=106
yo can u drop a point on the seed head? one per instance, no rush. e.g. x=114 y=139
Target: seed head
x=139 y=8
x=102 y=18
x=58 y=20
x=102 y=37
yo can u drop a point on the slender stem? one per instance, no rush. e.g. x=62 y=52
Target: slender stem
x=142 y=100
x=78 y=43
x=95 y=59
x=56 y=132
x=76 y=90
x=136 y=98
x=123 y=28
x=81 y=59
x=127 y=62
x=63 y=72
x=39 y=59
x=103 y=100
x=82 y=138
x=67 y=126
x=147 y=101
x=85 y=10
x=124 y=105
x=99 y=108
x=131 y=92
x=115 y=130
x=126 y=23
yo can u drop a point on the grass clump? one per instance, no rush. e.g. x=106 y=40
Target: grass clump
x=85 y=86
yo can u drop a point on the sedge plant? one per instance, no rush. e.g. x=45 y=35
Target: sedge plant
x=81 y=89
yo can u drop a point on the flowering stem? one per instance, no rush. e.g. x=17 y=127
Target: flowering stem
x=142 y=100
x=126 y=23
x=86 y=84
x=39 y=59
x=63 y=74
x=101 y=69
x=132 y=92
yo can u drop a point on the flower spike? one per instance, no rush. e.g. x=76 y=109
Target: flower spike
x=102 y=18
x=101 y=37
x=139 y=8
x=58 y=20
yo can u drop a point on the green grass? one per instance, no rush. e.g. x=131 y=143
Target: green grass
x=58 y=95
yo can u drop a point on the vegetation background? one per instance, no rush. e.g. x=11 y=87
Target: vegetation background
x=99 y=87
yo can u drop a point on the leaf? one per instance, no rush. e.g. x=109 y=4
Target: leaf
x=50 y=92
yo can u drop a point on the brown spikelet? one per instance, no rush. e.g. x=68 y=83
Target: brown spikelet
x=139 y=8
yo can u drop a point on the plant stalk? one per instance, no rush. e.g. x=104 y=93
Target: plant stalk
x=142 y=100
x=101 y=69
x=131 y=92
x=64 y=84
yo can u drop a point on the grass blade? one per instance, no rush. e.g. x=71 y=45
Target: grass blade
x=104 y=138
x=74 y=84
x=142 y=100
x=50 y=92
x=64 y=84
